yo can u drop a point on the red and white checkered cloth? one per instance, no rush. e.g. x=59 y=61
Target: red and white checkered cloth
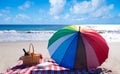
x=52 y=69
x=21 y=69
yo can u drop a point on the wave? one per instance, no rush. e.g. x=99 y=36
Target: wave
x=8 y=31
x=109 y=32
x=14 y=31
x=13 y=35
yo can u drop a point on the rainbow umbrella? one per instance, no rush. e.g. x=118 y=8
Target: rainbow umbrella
x=76 y=47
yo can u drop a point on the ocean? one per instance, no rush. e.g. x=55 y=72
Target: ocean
x=33 y=32
x=29 y=32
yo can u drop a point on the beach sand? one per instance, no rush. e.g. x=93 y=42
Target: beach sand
x=11 y=51
x=113 y=61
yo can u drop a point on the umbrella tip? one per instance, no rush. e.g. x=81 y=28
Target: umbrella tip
x=79 y=28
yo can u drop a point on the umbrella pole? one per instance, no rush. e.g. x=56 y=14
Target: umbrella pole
x=79 y=28
x=80 y=59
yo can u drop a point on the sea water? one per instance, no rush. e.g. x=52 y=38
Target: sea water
x=27 y=32
x=43 y=32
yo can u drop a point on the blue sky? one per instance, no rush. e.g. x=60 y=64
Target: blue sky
x=59 y=12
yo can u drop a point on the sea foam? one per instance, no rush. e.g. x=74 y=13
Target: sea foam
x=111 y=33
x=6 y=36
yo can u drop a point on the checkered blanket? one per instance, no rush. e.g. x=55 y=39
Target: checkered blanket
x=52 y=69
x=21 y=69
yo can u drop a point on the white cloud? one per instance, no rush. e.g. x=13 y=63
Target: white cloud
x=1 y=14
x=102 y=11
x=57 y=6
x=79 y=19
x=41 y=11
x=56 y=17
x=97 y=3
x=66 y=16
x=92 y=8
x=22 y=18
x=87 y=6
x=119 y=14
x=7 y=18
x=81 y=8
x=6 y=10
x=26 y=5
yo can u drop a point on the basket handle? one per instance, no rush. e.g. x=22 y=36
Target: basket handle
x=31 y=46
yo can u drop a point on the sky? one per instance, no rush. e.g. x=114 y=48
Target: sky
x=59 y=12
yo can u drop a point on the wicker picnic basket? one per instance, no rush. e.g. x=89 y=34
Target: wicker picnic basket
x=32 y=58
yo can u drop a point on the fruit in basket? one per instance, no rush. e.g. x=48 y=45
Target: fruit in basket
x=32 y=54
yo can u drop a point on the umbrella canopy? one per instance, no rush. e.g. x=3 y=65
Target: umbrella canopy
x=76 y=47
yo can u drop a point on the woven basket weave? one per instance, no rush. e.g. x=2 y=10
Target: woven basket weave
x=32 y=59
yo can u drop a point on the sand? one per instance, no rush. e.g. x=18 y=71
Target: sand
x=11 y=51
x=113 y=61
